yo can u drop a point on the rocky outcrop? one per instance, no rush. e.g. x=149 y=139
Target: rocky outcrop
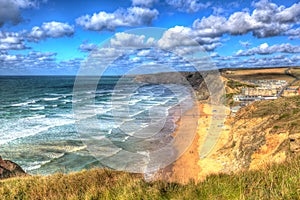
x=10 y=169
x=260 y=134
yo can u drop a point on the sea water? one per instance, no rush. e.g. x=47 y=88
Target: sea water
x=37 y=123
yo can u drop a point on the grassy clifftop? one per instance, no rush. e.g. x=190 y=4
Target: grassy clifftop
x=280 y=181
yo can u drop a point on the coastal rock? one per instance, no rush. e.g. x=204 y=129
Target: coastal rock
x=261 y=135
x=10 y=169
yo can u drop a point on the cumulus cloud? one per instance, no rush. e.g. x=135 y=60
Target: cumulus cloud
x=257 y=62
x=12 y=41
x=126 y=40
x=238 y=23
x=264 y=49
x=133 y=16
x=189 y=6
x=176 y=36
x=42 y=56
x=187 y=38
x=36 y=62
x=295 y=58
x=50 y=30
x=212 y=26
x=214 y=55
x=289 y=15
x=293 y=33
x=146 y=3
x=7 y=58
x=266 y=20
x=87 y=47
x=10 y=10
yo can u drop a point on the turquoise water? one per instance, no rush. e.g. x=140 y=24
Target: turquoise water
x=37 y=123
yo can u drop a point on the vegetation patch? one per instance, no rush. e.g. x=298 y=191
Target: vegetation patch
x=236 y=84
x=279 y=181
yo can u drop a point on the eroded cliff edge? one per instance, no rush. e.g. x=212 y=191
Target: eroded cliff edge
x=260 y=134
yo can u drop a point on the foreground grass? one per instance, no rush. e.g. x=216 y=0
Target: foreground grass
x=280 y=181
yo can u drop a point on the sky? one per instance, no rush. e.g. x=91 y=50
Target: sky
x=59 y=37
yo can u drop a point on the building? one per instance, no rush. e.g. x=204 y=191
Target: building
x=291 y=91
x=264 y=90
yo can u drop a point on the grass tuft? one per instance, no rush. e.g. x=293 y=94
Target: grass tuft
x=278 y=181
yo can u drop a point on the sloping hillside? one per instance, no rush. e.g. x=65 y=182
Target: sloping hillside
x=262 y=133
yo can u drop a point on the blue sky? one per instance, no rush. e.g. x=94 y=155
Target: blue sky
x=56 y=36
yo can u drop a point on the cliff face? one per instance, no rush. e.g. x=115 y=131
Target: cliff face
x=262 y=133
x=10 y=169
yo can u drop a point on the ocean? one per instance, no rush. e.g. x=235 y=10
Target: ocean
x=38 y=129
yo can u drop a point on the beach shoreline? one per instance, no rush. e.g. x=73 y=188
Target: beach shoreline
x=186 y=166
x=189 y=166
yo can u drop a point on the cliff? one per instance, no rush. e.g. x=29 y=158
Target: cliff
x=263 y=133
x=10 y=169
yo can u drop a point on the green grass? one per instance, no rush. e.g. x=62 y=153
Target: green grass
x=279 y=181
x=228 y=99
x=236 y=84
x=285 y=110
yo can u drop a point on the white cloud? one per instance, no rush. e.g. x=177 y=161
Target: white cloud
x=214 y=54
x=146 y=3
x=211 y=47
x=293 y=33
x=266 y=20
x=107 y=53
x=133 y=16
x=125 y=40
x=176 y=37
x=189 y=6
x=241 y=23
x=7 y=58
x=50 y=30
x=35 y=62
x=266 y=49
x=289 y=15
x=211 y=26
x=12 y=41
x=87 y=47
x=238 y=23
x=57 y=29
x=257 y=62
x=295 y=58
x=144 y=53
x=187 y=38
x=218 y=10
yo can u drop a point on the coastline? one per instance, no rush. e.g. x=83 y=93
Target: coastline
x=186 y=167
x=189 y=166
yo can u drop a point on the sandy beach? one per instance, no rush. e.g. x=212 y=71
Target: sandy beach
x=189 y=166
